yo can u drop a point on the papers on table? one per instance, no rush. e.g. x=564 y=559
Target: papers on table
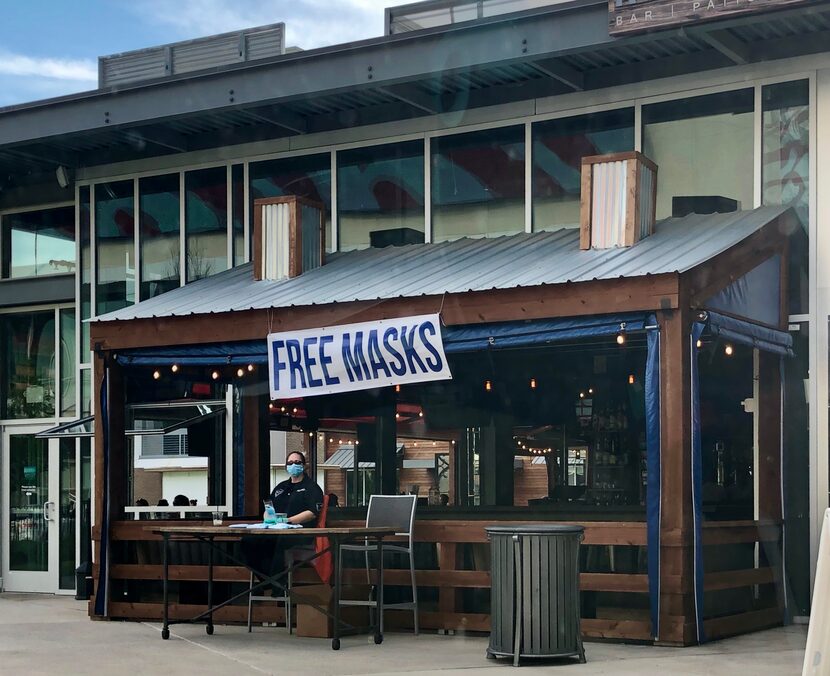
x=265 y=526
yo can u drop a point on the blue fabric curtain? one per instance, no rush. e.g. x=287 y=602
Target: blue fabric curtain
x=103 y=563
x=243 y=352
x=474 y=337
x=653 y=485
x=746 y=333
x=697 y=484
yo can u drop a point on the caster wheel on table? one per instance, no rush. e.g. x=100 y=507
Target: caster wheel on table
x=335 y=644
x=378 y=639
x=165 y=633
x=209 y=630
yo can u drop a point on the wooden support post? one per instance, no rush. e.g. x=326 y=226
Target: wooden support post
x=256 y=441
x=676 y=527
x=769 y=464
x=110 y=485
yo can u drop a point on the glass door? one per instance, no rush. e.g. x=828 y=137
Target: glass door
x=39 y=489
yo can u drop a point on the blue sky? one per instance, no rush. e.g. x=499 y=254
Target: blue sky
x=50 y=47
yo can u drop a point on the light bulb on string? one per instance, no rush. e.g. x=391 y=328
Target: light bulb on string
x=215 y=375
x=397 y=388
x=699 y=343
x=488 y=386
x=175 y=368
x=620 y=339
x=590 y=390
x=728 y=350
x=156 y=374
x=631 y=379
x=420 y=414
x=533 y=383
x=250 y=368
x=240 y=373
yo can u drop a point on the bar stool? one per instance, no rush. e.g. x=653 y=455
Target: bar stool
x=391 y=511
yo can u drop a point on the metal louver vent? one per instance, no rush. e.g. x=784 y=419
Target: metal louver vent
x=191 y=56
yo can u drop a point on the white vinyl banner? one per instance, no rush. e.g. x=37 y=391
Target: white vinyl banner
x=356 y=357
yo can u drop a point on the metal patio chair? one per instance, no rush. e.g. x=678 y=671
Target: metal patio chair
x=398 y=512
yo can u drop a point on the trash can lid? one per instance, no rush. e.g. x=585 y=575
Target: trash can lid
x=540 y=529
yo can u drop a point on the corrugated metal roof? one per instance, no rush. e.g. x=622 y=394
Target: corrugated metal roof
x=522 y=260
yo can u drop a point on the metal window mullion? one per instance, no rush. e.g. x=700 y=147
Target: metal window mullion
x=427 y=190
x=335 y=229
x=57 y=377
x=528 y=177
x=638 y=126
x=136 y=245
x=182 y=235
x=758 y=145
x=246 y=211
x=78 y=312
x=229 y=213
x=93 y=256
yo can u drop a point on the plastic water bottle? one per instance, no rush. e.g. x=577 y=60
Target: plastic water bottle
x=270 y=514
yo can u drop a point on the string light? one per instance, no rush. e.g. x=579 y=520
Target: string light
x=631 y=379
x=590 y=390
x=175 y=368
x=331 y=441
x=581 y=395
x=621 y=334
x=271 y=407
x=240 y=373
x=282 y=409
x=397 y=388
x=294 y=410
x=488 y=386
x=453 y=442
x=533 y=383
x=250 y=368
x=215 y=375
x=397 y=416
x=420 y=414
x=311 y=434
x=728 y=350
x=434 y=443
x=156 y=374
x=699 y=343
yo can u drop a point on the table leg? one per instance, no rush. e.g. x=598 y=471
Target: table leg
x=209 y=627
x=379 y=594
x=165 y=630
x=335 y=551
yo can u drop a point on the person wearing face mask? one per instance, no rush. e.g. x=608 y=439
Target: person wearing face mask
x=299 y=497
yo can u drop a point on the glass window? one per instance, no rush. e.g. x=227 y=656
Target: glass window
x=85 y=298
x=478 y=184
x=380 y=192
x=206 y=222
x=68 y=363
x=238 y=213
x=27 y=365
x=28 y=534
x=86 y=391
x=703 y=147
x=115 y=246
x=308 y=176
x=158 y=215
x=786 y=173
x=558 y=149
x=39 y=243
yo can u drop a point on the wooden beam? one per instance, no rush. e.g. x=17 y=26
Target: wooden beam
x=734 y=579
x=537 y=302
x=721 y=627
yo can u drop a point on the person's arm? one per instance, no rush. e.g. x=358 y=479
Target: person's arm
x=302 y=517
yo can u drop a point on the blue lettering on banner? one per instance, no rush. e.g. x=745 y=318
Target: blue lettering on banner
x=392 y=334
x=279 y=365
x=408 y=342
x=325 y=361
x=375 y=358
x=355 y=362
x=436 y=363
x=294 y=365
x=310 y=361
x=365 y=355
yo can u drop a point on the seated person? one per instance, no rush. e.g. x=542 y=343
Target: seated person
x=299 y=497
x=181 y=501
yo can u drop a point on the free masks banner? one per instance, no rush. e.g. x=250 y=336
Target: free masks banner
x=356 y=357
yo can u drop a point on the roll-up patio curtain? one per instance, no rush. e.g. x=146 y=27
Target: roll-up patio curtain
x=697 y=482
x=653 y=479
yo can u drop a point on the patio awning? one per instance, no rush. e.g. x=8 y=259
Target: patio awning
x=152 y=419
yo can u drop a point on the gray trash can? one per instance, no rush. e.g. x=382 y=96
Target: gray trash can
x=534 y=597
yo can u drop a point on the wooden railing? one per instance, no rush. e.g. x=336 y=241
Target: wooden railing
x=450 y=579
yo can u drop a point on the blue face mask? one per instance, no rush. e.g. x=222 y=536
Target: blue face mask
x=294 y=470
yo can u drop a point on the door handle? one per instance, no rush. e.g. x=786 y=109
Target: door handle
x=46 y=510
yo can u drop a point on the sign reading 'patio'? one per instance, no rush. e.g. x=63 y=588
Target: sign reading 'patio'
x=356 y=357
x=628 y=16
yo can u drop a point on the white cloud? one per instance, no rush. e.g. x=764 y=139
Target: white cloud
x=309 y=23
x=75 y=70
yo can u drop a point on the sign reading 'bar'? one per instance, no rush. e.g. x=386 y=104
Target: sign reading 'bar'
x=631 y=16
x=356 y=357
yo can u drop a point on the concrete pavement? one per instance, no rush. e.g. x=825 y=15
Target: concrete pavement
x=42 y=634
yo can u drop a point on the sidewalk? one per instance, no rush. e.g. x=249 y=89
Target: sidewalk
x=41 y=634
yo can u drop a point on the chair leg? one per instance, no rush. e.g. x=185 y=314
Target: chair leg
x=288 y=602
x=414 y=589
x=369 y=583
x=250 y=586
